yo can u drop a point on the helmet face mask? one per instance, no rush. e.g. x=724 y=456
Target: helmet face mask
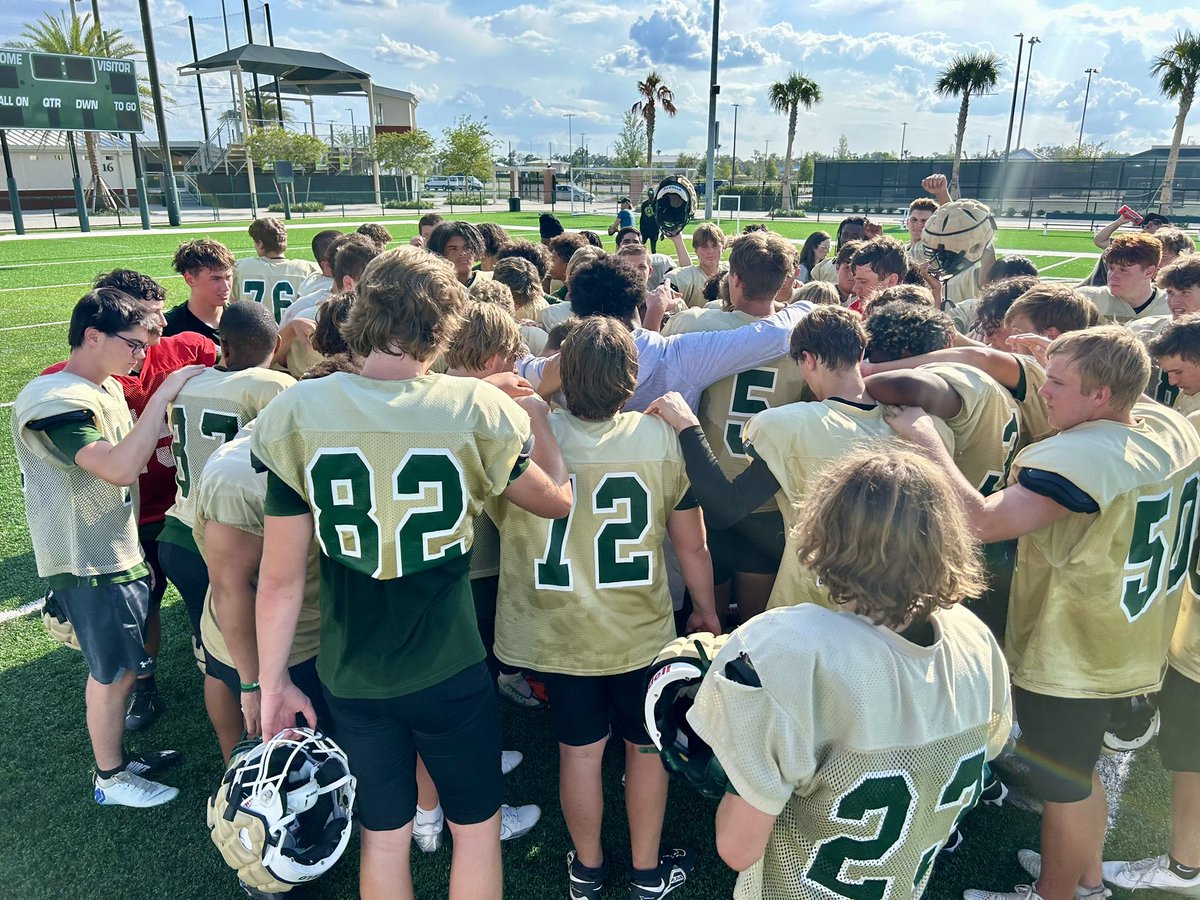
x=281 y=816
x=956 y=236
x=674 y=204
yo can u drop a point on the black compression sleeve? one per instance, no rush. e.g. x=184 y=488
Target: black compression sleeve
x=724 y=502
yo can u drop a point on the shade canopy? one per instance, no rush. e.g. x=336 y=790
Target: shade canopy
x=303 y=71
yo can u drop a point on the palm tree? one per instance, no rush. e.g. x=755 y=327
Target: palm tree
x=1178 y=70
x=270 y=111
x=654 y=94
x=79 y=36
x=787 y=97
x=973 y=74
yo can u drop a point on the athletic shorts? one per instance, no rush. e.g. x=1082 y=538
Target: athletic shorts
x=303 y=675
x=148 y=533
x=584 y=709
x=1179 y=730
x=1061 y=739
x=110 y=623
x=454 y=726
x=189 y=573
x=753 y=545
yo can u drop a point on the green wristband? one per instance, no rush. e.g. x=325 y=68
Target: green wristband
x=249 y=688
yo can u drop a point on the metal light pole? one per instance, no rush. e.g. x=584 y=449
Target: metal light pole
x=570 y=137
x=353 y=129
x=1028 y=70
x=987 y=147
x=1012 y=113
x=1083 y=118
x=733 y=166
x=160 y=118
x=713 y=90
x=903 y=137
x=225 y=22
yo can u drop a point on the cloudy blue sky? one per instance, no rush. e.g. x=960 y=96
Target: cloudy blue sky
x=525 y=66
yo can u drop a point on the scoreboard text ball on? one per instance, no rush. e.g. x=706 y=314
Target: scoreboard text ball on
x=68 y=93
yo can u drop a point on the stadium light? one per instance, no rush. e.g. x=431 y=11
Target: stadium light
x=1034 y=39
x=733 y=165
x=1083 y=118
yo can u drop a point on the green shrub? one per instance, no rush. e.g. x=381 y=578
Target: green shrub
x=788 y=214
x=467 y=199
x=404 y=204
x=304 y=206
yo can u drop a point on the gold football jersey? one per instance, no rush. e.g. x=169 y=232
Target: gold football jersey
x=232 y=493
x=1035 y=423
x=212 y=408
x=1117 y=312
x=395 y=472
x=728 y=405
x=79 y=524
x=987 y=430
x=275 y=282
x=798 y=442
x=1095 y=597
x=587 y=594
x=865 y=789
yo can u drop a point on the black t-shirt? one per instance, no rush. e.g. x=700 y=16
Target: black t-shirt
x=181 y=319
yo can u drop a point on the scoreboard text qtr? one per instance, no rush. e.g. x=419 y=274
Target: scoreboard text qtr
x=68 y=93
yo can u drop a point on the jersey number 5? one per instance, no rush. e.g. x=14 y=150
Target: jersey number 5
x=1151 y=567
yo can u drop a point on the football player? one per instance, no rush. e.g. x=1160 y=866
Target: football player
x=1176 y=351
x=156 y=484
x=207 y=270
x=1181 y=281
x=791 y=445
x=320 y=284
x=708 y=240
x=80 y=455
x=835 y=782
x=599 y=571
x=1132 y=261
x=390 y=469
x=270 y=277
x=460 y=243
x=1104 y=512
x=211 y=410
x=749 y=551
x=877 y=265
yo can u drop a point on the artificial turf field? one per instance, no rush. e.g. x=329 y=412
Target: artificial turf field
x=58 y=843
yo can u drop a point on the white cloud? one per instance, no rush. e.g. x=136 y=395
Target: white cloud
x=412 y=54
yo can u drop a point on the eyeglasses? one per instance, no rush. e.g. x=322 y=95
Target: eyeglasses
x=135 y=346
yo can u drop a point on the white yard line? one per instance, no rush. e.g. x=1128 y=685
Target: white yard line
x=218 y=229
x=10 y=614
x=72 y=262
x=37 y=325
x=50 y=287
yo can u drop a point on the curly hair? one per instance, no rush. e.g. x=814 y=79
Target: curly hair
x=537 y=254
x=520 y=277
x=135 y=284
x=605 y=287
x=486 y=290
x=192 y=256
x=899 y=330
x=887 y=533
x=375 y=233
x=270 y=232
x=916 y=294
x=327 y=338
x=494 y=237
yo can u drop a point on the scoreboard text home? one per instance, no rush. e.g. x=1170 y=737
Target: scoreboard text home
x=68 y=93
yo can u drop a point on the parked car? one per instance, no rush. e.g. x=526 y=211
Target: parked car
x=568 y=192
x=702 y=186
x=453 y=183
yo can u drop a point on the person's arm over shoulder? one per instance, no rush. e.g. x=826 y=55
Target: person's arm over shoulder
x=698 y=359
x=725 y=502
x=539 y=481
x=915 y=388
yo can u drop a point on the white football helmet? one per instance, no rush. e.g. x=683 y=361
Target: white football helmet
x=956 y=235
x=1133 y=727
x=281 y=816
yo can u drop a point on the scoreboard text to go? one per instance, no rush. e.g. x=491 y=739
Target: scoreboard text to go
x=68 y=93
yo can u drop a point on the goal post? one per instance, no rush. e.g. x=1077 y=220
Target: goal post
x=731 y=197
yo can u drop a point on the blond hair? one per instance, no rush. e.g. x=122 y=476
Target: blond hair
x=707 y=233
x=487 y=331
x=408 y=302
x=1107 y=356
x=818 y=293
x=886 y=532
x=582 y=256
x=486 y=290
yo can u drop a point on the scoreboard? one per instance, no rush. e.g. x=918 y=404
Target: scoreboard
x=68 y=93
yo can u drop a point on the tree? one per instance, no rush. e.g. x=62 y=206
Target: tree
x=273 y=144
x=786 y=98
x=270 y=111
x=654 y=94
x=843 y=148
x=1177 y=69
x=409 y=152
x=972 y=74
x=79 y=36
x=467 y=149
x=631 y=141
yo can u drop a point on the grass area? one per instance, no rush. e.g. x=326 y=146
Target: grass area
x=58 y=843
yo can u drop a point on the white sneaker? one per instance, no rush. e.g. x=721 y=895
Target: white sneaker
x=1150 y=873
x=518 y=820
x=429 y=829
x=514 y=688
x=1020 y=892
x=1031 y=862
x=509 y=760
x=127 y=789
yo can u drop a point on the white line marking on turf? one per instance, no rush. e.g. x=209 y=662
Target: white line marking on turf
x=71 y=262
x=36 y=325
x=9 y=614
x=8 y=405
x=50 y=287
